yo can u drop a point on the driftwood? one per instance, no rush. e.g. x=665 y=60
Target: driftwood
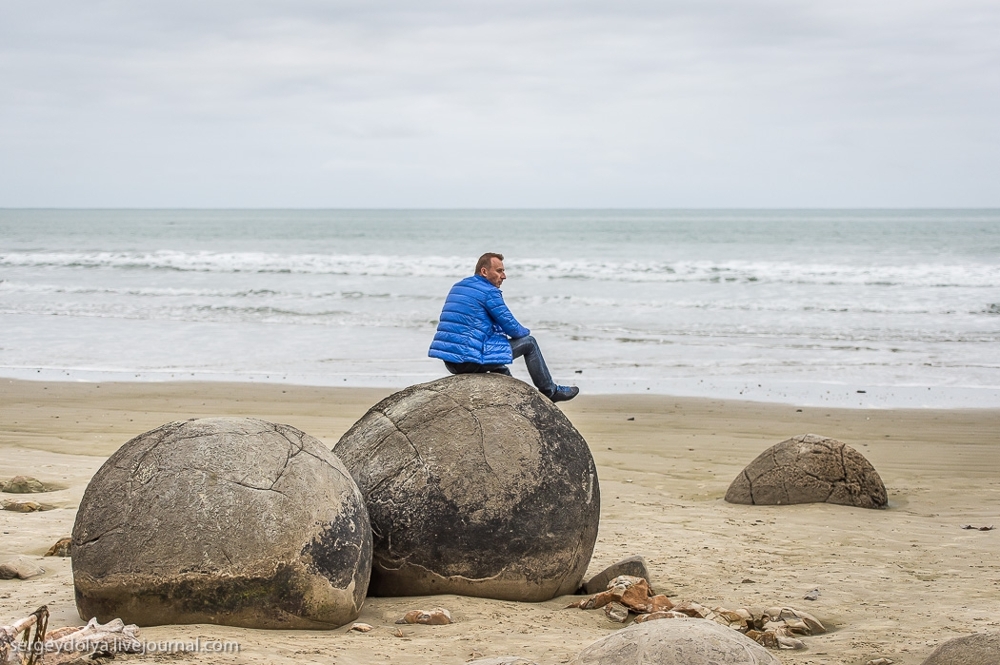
x=64 y=645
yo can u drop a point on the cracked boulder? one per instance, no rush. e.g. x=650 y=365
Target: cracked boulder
x=476 y=485
x=809 y=469
x=232 y=521
x=680 y=641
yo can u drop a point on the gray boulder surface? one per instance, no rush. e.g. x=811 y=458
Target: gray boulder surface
x=676 y=642
x=476 y=485
x=978 y=649
x=809 y=469
x=233 y=521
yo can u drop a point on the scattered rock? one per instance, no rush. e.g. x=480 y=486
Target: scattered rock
x=361 y=627
x=880 y=661
x=978 y=528
x=978 y=649
x=61 y=548
x=23 y=485
x=632 y=592
x=809 y=469
x=812 y=595
x=633 y=565
x=436 y=617
x=232 y=521
x=616 y=612
x=21 y=568
x=675 y=642
x=476 y=485
x=19 y=506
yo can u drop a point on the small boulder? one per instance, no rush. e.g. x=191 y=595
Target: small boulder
x=21 y=568
x=978 y=649
x=61 y=548
x=677 y=641
x=476 y=485
x=634 y=566
x=21 y=506
x=233 y=521
x=23 y=485
x=809 y=469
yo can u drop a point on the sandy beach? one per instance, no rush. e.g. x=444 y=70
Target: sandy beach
x=893 y=583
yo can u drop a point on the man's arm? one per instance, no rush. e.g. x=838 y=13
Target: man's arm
x=501 y=315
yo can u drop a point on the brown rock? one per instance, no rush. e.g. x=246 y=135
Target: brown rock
x=22 y=506
x=809 y=469
x=436 y=617
x=61 y=548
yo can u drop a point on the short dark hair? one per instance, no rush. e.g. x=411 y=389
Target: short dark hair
x=485 y=260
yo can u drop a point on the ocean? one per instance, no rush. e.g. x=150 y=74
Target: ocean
x=855 y=308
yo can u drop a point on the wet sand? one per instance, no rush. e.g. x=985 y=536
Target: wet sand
x=893 y=583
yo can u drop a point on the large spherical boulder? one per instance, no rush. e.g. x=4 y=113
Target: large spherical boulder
x=476 y=485
x=809 y=469
x=676 y=642
x=232 y=521
x=978 y=649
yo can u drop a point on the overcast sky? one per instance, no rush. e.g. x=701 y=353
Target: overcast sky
x=535 y=103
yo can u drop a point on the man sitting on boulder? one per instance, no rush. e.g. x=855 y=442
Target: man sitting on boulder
x=477 y=333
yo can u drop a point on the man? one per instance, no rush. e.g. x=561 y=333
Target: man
x=477 y=333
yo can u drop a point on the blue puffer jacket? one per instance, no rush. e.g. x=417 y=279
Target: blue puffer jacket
x=475 y=325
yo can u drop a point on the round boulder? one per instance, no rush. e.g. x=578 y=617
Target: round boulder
x=232 y=521
x=809 y=469
x=978 y=649
x=476 y=485
x=676 y=642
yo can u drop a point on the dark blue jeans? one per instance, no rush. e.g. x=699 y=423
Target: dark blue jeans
x=523 y=346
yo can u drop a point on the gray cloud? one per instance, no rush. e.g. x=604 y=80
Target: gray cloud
x=717 y=103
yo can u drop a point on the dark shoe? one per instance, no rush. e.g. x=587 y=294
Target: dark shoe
x=564 y=393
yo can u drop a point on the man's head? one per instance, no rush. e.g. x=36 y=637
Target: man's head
x=490 y=266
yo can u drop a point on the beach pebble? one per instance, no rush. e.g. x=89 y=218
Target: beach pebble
x=21 y=568
x=476 y=485
x=232 y=521
x=633 y=565
x=978 y=649
x=23 y=485
x=812 y=595
x=61 y=548
x=681 y=641
x=809 y=469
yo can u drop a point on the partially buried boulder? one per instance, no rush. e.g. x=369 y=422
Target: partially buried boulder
x=476 y=485
x=978 y=649
x=232 y=521
x=809 y=469
x=676 y=642
x=23 y=485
